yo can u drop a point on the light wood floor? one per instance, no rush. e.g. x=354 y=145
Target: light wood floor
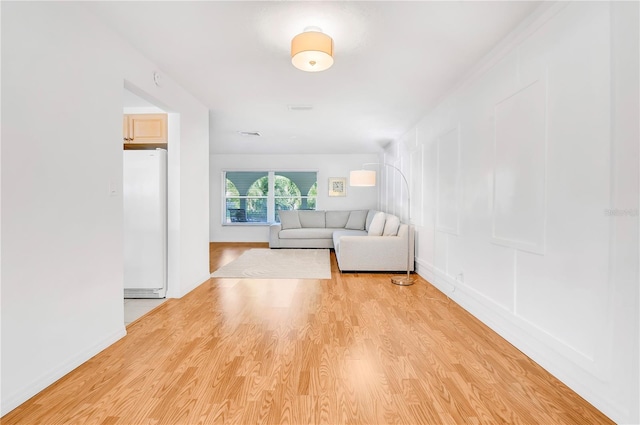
x=354 y=349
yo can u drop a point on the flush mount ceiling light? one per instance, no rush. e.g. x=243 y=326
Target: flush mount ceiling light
x=312 y=50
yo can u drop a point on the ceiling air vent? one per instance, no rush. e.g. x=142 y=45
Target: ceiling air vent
x=249 y=133
x=300 y=107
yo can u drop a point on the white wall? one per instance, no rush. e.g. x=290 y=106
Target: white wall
x=62 y=256
x=517 y=172
x=326 y=165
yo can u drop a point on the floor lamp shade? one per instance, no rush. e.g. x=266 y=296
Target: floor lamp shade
x=362 y=178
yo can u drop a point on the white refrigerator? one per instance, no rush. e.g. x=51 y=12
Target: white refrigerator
x=144 y=195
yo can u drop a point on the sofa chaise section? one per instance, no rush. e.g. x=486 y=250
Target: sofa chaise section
x=375 y=253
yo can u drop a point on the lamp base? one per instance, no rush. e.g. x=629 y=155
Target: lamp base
x=402 y=280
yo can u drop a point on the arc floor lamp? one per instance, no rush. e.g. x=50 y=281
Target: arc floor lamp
x=367 y=178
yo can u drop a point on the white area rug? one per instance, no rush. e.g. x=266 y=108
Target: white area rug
x=264 y=263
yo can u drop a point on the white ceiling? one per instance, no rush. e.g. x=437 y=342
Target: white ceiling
x=393 y=62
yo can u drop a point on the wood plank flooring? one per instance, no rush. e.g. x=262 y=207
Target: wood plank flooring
x=354 y=349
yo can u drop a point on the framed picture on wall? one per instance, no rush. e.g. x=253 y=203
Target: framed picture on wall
x=337 y=186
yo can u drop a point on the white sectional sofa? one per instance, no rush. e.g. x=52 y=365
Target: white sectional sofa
x=363 y=240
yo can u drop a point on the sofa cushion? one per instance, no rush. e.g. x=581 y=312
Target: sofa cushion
x=370 y=215
x=377 y=224
x=391 y=225
x=336 y=219
x=311 y=218
x=289 y=219
x=306 y=233
x=356 y=220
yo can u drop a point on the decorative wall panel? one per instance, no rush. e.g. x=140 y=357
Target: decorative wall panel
x=519 y=170
x=415 y=181
x=448 y=181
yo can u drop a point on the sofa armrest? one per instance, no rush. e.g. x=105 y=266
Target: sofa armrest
x=274 y=238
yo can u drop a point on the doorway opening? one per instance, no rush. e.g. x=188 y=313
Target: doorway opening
x=145 y=205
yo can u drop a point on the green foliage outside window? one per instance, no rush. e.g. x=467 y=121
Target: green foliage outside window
x=312 y=196
x=253 y=204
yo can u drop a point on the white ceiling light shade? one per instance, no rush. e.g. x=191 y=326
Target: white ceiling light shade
x=312 y=50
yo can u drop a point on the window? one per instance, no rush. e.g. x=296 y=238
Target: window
x=257 y=196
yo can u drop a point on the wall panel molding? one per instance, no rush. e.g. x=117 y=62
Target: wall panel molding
x=519 y=183
x=448 y=181
x=550 y=149
x=416 y=178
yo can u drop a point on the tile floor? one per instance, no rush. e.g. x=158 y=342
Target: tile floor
x=138 y=307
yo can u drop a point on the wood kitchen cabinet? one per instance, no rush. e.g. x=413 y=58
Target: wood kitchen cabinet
x=144 y=130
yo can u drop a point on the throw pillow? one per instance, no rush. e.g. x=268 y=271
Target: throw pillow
x=391 y=225
x=337 y=219
x=377 y=224
x=370 y=215
x=289 y=219
x=356 y=220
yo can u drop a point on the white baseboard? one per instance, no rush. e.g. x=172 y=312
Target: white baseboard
x=569 y=366
x=194 y=285
x=11 y=401
x=173 y=293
